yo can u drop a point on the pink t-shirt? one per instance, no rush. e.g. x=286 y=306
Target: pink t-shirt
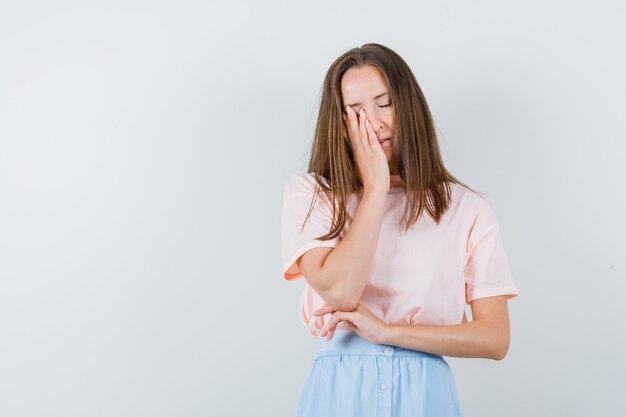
x=424 y=276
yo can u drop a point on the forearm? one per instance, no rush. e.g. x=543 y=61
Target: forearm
x=347 y=267
x=475 y=339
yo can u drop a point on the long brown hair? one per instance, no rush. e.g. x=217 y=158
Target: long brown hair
x=416 y=150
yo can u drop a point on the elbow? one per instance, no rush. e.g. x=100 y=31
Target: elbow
x=340 y=299
x=339 y=290
x=341 y=302
x=498 y=355
x=499 y=350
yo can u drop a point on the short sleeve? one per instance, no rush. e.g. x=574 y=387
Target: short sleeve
x=298 y=195
x=487 y=271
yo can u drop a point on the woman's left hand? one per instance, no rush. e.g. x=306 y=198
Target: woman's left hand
x=361 y=320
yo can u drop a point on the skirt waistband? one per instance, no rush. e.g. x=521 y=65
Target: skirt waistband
x=348 y=342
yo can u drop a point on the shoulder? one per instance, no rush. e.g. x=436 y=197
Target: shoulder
x=462 y=194
x=469 y=202
x=302 y=183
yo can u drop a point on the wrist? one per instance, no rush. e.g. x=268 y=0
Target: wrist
x=389 y=334
x=376 y=190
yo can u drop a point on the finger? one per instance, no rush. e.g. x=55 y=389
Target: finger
x=351 y=124
x=334 y=319
x=330 y=332
x=362 y=118
x=352 y=119
x=348 y=325
x=323 y=310
x=371 y=135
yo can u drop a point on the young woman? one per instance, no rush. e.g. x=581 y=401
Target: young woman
x=391 y=246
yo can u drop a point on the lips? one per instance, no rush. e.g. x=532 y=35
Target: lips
x=382 y=140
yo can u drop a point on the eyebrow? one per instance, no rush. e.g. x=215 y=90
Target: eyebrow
x=378 y=96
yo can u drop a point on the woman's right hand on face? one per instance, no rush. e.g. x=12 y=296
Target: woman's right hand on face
x=368 y=153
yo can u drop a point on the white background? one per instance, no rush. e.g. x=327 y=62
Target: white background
x=143 y=152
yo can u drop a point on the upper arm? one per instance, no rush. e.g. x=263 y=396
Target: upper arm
x=495 y=310
x=487 y=271
x=304 y=255
x=300 y=232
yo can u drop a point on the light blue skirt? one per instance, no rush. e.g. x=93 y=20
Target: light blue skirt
x=353 y=377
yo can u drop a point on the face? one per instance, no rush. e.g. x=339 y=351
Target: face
x=365 y=87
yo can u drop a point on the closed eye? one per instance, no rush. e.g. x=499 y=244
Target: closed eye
x=357 y=111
